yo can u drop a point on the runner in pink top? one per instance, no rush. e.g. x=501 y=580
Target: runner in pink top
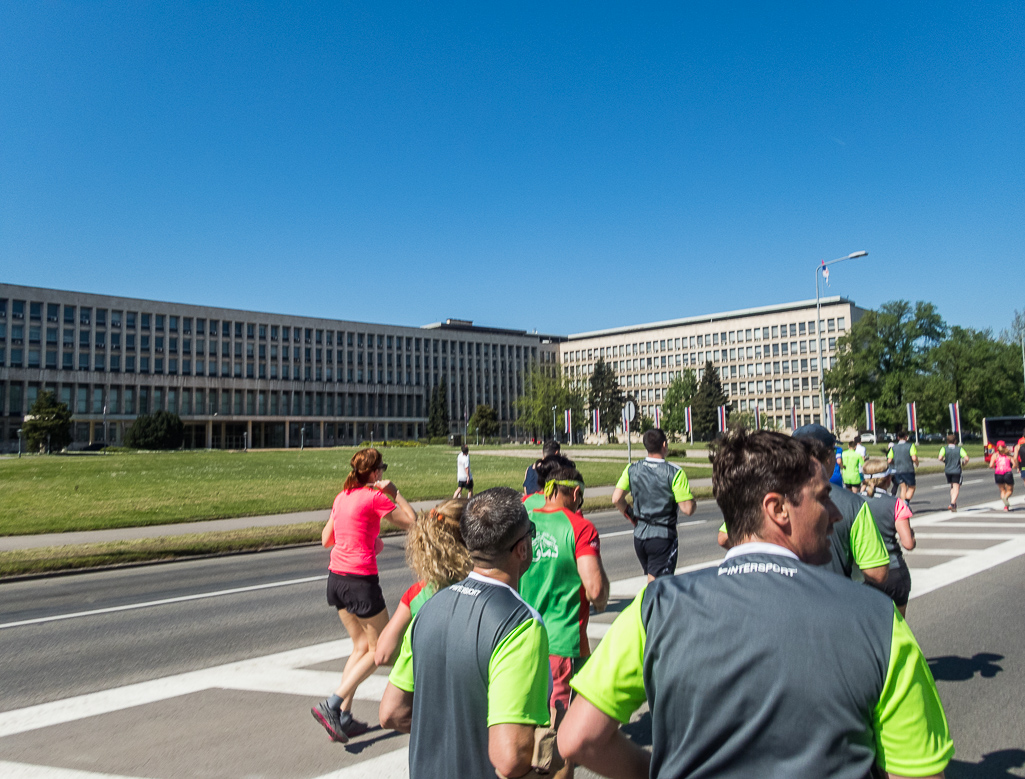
x=1003 y=472
x=352 y=533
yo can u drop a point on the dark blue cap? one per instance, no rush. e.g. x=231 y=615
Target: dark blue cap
x=818 y=432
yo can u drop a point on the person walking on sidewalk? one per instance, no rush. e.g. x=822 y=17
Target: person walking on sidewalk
x=464 y=477
x=470 y=685
x=954 y=458
x=1003 y=472
x=903 y=456
x=660 y=489
x=352 y=533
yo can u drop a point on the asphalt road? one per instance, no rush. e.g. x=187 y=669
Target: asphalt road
x=71 y=635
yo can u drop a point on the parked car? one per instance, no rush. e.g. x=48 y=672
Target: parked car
x=868 y=437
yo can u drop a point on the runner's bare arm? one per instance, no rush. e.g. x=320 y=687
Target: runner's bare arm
x=592 y=738
x=390 y=640
x=403 y=514
x=723 y=539
x=687 y=507
x=595 y=580
x=327 y=535
x=511 y=748
x=619 y=501
x=905 y=534
x=877 y=576
x=396 y=711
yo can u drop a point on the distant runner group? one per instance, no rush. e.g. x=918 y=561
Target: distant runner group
x=493 y=672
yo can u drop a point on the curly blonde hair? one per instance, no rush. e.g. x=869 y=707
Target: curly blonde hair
x=434 y=545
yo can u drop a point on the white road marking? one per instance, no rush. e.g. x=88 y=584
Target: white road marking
x=162 y=602
x=287 y=672
x=27 y=771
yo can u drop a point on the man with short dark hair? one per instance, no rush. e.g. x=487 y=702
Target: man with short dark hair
x=471 y=681
x=903 y=457
x=660 y=489
x=530 y=483
x=767 y=665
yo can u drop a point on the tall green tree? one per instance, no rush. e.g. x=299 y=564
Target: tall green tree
x=484 y=421
x=541 y=393
x=437 y=418
x=606 y=395
x=679 y=395
x=883 y=358
x=707 y=399
x=972 y=367
x=50 y=419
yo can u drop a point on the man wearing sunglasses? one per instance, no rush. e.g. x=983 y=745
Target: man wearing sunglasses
x=471 y=681
x=565 y=577
x=766 y=665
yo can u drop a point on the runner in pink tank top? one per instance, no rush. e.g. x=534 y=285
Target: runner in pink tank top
x=352 y=533
x=1003 y=472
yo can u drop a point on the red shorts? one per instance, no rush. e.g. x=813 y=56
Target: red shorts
x=563 y=669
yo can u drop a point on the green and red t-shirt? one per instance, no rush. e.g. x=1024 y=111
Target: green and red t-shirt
x=552 y=583
x=533 y=501
x=416 y=596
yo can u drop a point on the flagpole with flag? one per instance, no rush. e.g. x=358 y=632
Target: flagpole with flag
x=569 y=425
x=913 y=420
x=870 y=416
x=758 y=418
x=793 y=418
x=955 y=419
x=688 y=423
x=658 y=416
x=721 y=413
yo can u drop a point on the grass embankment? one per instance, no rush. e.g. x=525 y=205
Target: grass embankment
x=91 y=492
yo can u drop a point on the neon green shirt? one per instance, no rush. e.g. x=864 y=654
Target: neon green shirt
x=908 y=724
x=851 y=465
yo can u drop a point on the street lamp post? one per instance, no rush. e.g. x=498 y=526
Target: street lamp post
x=555 y=436
x=19 y=443
x=818 y=323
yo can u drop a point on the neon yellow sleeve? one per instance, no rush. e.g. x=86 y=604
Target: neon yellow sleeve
x=518 y=677
x=681 y=487
x=612 y=679
x=914 y=450
x=943 y=452
x=866 y=542
x=912 y=736
x=722 y=528
x=964 y=454
x=889 y=454
x=402 y=672
x=624 y=480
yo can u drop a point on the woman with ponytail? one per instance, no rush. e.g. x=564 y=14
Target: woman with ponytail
x=352 y=533
x=438 y=557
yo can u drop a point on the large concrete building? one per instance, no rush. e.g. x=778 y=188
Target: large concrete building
x=767 y=356
x=249 y=378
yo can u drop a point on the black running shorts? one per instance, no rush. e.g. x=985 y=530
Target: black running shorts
x=1004 y=478
x=955 y=478
x=657 y=555
x=464 y=485
x=904 y=478
x=898 y=584
x=359 y=595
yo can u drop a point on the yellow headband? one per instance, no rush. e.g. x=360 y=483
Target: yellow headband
x=551 y=485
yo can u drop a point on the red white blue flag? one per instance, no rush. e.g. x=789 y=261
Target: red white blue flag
x=686 y=418
x=758 y=418
x=955 y=418
x=658 y=416
x=831 y=416
x=721 y=413
x=596 y=420
x=870 y=416
x=569 y=421
x=912 y=417
x=793 y=417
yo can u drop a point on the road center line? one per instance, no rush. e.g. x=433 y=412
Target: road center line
x=162 y=602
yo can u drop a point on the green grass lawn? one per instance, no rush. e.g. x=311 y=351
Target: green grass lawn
x=89 y=492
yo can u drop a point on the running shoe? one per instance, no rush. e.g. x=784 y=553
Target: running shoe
x=1007 y=508
x=951 y=507
x=353 y=727
x=331 y=720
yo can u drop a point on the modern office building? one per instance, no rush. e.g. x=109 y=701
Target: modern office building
x=245 y=378
x=767 y=356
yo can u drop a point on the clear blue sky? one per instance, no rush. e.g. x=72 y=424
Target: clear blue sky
x=564 y=167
